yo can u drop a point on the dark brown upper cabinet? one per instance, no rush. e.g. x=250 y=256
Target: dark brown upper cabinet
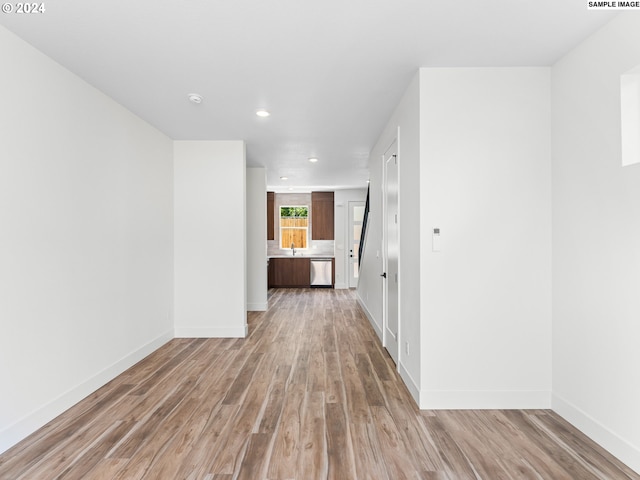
x=322 y=215
x=271 y=205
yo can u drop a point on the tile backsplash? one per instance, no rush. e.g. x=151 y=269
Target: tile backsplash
x=317 y=247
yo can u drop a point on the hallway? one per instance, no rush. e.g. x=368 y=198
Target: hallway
x=309 y=394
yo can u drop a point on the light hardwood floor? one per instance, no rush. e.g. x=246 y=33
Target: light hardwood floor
x=310 y=394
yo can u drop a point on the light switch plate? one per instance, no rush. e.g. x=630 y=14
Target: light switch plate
x=436 y=240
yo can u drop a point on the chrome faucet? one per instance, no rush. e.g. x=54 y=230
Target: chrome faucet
x=293 y=248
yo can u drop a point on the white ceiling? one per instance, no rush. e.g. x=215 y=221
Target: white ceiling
x=329 y=71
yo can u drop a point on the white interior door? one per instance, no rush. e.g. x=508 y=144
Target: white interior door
x=391 y=252
x=356 y=218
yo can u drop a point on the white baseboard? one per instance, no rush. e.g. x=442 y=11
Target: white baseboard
x=484 y=400
x=411 y=384
x=408 y=380
x=257 y=307
x=369 y=317
x=621 y=448
x=214 y=332
x=341 y=286
x=40 y=417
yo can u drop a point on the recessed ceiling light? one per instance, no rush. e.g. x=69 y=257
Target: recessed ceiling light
x=284 y=178
x=313 y=159
x=195 y=98
x=262 y=113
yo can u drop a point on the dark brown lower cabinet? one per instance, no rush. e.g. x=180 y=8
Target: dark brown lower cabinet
x=289 y=272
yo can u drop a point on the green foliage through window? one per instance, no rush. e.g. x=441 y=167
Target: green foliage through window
x=294 y=212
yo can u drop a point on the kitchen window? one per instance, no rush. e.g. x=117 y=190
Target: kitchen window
x=294 y=226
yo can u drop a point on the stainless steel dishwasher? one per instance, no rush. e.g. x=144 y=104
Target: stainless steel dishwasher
x=321 y=272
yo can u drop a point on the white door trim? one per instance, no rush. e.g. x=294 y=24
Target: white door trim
x=391 y=339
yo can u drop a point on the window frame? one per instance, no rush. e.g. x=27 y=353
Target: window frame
x=306 y=229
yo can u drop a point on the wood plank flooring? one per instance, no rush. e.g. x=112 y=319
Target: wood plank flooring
x=309 y=394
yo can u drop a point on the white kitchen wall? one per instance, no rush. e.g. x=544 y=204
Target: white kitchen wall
x=596 y=244
x=209 y=239
x=85 y=239
x=256 y=239
x=341 y=232
x=485 y=182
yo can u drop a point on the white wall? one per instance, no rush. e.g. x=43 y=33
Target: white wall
x=256 y=239
x=486 y=183
x=85 y=239
x=209 y=239
x=404 y=127
x=369 y=292
x=341 y=232
x=596 y=244
x=474 y=158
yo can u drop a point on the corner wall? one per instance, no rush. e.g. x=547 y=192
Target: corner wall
x=596 y=243
x=209 y=239
x=86 y=243
x=256 y=276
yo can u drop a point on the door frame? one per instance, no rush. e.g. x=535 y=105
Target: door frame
x=392 y=150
